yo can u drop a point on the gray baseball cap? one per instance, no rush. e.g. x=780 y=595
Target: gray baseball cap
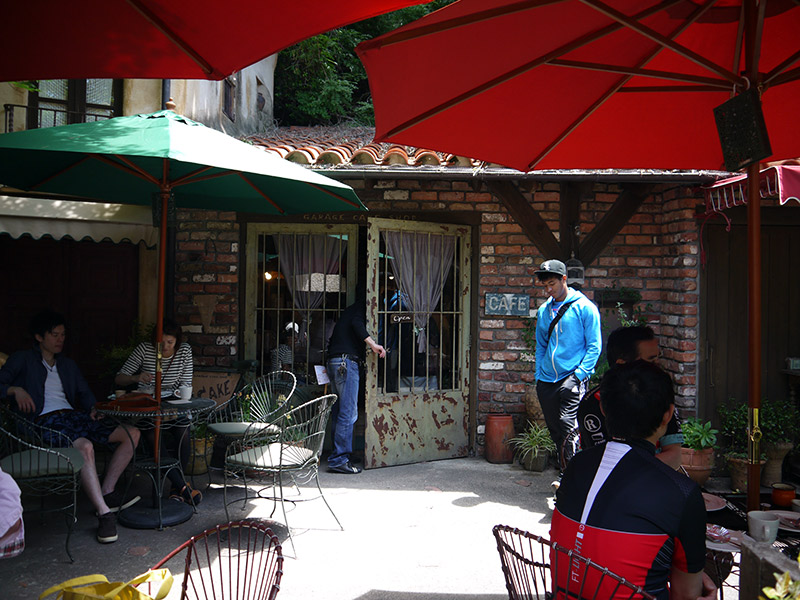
x=552 y=267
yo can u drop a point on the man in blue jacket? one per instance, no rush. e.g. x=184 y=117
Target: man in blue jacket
x=567 y=348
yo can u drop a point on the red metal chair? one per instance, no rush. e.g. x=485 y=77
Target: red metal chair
x=241 y=560
x=529 y=561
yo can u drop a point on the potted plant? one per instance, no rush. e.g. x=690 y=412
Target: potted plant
x=202 y=445
x=779 y=427
x=734 y=430
x=697 y=453
x=533 y=446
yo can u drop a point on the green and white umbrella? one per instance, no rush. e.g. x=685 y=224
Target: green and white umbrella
x=144 y=158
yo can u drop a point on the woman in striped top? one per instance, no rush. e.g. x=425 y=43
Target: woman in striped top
x=176 y=373
x=176 y=364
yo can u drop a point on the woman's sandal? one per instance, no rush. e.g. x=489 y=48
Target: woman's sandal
x=191 y=496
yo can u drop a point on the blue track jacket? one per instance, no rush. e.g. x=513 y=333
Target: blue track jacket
x=575 y=343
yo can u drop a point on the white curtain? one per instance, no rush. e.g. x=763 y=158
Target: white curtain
x=421 y=263
x=310 y=266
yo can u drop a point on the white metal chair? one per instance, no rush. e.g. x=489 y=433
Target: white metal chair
x=294 y=452
x=44 y=464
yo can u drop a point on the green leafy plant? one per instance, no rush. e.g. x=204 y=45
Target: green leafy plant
x=779 y=421
x=785 y=588
x=536 y=438
x=698 y=435
x=733 y=427
x=113 y=357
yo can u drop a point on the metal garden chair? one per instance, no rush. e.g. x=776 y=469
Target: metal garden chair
x=529 y=562
x=44 y=464
x=241 y=560
x=254 y=406
x=295 y=452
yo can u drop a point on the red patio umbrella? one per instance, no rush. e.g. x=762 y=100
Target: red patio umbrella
x=538 y=84
x=201 y=39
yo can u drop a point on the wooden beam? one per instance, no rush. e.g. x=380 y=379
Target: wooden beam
x=572 y=192
x=626 y=205
x=526 y=217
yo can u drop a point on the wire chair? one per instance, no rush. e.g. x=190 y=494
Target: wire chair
x=43 y=463
x=256 y=403
x=241 y=560
x=529 y=561
x=295 y=452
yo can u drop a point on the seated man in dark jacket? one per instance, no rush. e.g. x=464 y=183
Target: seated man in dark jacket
x=624 y=345
x=49 y=389
x=625 y=509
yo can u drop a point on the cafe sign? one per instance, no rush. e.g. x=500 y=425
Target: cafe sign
x=512 y=305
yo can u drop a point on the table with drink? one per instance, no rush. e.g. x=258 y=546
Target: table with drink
x=777 y=522
x=147 y=414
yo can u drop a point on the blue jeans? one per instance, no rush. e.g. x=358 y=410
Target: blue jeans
x=344 y=375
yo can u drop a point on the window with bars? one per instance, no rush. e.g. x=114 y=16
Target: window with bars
x=419 y=312
x=66 y=101
x=302 y=289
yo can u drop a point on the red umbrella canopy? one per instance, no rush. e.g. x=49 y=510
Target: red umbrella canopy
x=201 y=39
x=582 y=83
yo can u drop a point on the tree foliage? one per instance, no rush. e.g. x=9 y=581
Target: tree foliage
x=320 y=81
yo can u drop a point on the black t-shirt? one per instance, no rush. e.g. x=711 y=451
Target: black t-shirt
x=350 y=332
x=592 y=423
x=651 y=516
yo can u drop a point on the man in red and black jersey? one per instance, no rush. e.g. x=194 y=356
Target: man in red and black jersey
x=624 y=345
x=625 y=509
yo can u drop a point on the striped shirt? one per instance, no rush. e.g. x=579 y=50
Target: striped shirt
x=176 y=371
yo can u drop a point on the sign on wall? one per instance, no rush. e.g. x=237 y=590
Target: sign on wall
x=518 y=305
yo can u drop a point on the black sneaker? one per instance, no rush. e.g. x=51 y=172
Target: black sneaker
x=107 y=528
x=347 y=468
x=114 y=501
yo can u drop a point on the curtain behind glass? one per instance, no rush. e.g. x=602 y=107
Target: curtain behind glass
x=421 y=263
x=310 y=266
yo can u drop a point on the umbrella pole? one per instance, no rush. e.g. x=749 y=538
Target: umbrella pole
x=162 y=262
x=754 y=336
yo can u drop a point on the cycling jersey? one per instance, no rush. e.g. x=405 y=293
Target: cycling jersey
x=626 y=510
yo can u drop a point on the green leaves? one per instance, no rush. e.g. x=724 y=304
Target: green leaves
x=534 y=439
x=698 y=435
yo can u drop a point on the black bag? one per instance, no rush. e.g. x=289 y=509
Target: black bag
x=555 y=320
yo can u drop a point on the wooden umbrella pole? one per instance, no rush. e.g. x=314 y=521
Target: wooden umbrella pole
x=162 y=263
x=754 y=336
x=753 y=20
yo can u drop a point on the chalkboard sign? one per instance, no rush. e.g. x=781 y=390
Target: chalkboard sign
x=216 y=385
x=518 y=305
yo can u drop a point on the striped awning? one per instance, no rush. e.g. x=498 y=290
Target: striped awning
x=779 y=181
x=58 y=219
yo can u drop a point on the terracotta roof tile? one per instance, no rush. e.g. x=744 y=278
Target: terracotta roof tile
x=342 y=146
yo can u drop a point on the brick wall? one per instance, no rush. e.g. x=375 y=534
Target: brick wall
x=207 y=263
x=655 y=253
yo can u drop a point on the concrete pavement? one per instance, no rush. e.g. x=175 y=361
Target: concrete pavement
x=413 y=531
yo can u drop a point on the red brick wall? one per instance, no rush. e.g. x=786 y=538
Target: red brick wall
x=207 y=263
x=656 y=254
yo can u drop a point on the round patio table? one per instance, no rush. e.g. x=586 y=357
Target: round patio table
x=170 y=413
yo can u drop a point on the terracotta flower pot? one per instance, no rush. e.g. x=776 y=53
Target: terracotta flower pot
x=773 y=469
x=698 y=463
x=199 y=457
x=737 y=467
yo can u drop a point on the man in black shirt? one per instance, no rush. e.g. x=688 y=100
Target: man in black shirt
x=346 y=352
x=623 y=508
